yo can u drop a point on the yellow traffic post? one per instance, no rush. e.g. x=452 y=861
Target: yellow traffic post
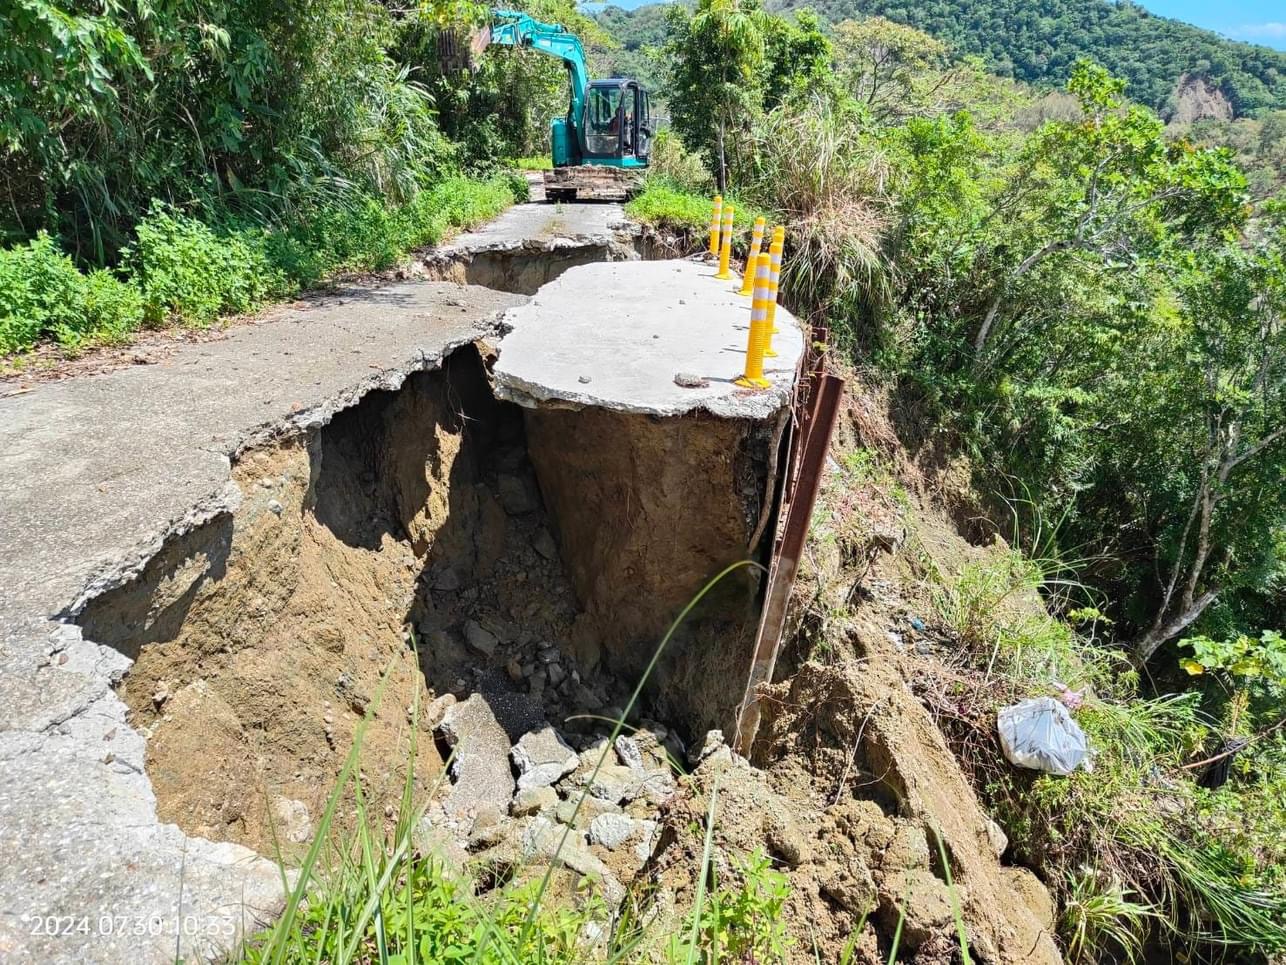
x=754 y=375
x=756 y=242
x=715 y=214
x=725 y=249
x=774 y=276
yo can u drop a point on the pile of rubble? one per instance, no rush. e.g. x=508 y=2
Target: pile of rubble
x=523 y=793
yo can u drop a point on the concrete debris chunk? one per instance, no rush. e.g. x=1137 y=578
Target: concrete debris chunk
x=612 y=830
x=657 y=787
x=628 y=750
x=438 y=707
x=615 y=783
x=649 y=836
x=533 y=800
x=542 y=758
x=480 y=766
x=431 y=838
x=545 y=838
x=489 y=827
x=689 y=380
x=712 y=742
x=581 y=813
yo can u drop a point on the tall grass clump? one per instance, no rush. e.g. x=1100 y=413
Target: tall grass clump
x=818 y=166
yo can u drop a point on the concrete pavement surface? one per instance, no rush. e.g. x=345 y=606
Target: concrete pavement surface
x=655 y=337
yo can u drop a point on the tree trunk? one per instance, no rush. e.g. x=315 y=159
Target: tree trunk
x=1151 y=641
x=722 y=174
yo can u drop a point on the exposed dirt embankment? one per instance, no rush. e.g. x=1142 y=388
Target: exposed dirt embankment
x=405 y=547
x=648 y=509
x=851 y=784
x=261 y=638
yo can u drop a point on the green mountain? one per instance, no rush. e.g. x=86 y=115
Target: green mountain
x=1037 y=41
x=1170 y=65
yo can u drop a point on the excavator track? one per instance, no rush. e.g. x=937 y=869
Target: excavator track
x=592 y=182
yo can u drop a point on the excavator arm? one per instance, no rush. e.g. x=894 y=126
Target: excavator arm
x=513 y=28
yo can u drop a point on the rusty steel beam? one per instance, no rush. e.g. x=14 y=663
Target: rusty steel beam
x=798 y=513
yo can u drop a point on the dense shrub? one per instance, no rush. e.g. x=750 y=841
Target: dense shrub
x=188 y=272
x=41 y=292
x=40 y=289
x=180 y=269
x=113 y=308
x=675 y=163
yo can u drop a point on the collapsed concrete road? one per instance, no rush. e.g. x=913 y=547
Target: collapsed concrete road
x=533 y=244
x=249 y=527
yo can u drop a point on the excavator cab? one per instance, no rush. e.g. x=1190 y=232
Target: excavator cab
x=617 y=127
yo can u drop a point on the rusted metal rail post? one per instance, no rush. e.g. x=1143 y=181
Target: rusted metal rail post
x=817 y=430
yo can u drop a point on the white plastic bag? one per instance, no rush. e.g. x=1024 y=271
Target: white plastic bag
x=1039 y=733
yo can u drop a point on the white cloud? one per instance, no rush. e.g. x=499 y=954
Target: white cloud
x=1272 y=30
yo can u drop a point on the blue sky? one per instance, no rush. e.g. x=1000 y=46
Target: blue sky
x=1258 y=21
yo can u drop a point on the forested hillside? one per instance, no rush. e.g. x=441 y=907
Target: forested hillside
x=1039 y=41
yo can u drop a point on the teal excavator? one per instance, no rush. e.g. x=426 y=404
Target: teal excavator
x=601 y=146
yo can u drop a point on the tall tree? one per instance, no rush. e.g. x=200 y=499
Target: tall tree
x=1107 y=190
x=715 y=85
x=1225 y=379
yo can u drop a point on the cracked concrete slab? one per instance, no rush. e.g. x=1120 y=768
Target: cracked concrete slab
x=96 y=473
x=545 y=227
x=659 y=338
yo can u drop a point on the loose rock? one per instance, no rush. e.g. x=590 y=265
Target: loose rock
x=479 y=638
x=615 y=783
x=543 y=543
x=516 y=495
x=581 y=817
x=533 y=800
x=542 y=758
x=294 y=823
x=628 y=750
x=611 y=830
x=711 y=743
x=542 y=837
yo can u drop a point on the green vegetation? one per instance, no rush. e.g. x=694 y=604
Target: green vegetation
x=1040 y=43
x=180 y=270
x=1140 y=845
x=179 y=163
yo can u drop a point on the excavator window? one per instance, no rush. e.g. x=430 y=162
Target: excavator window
x=603 y=121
